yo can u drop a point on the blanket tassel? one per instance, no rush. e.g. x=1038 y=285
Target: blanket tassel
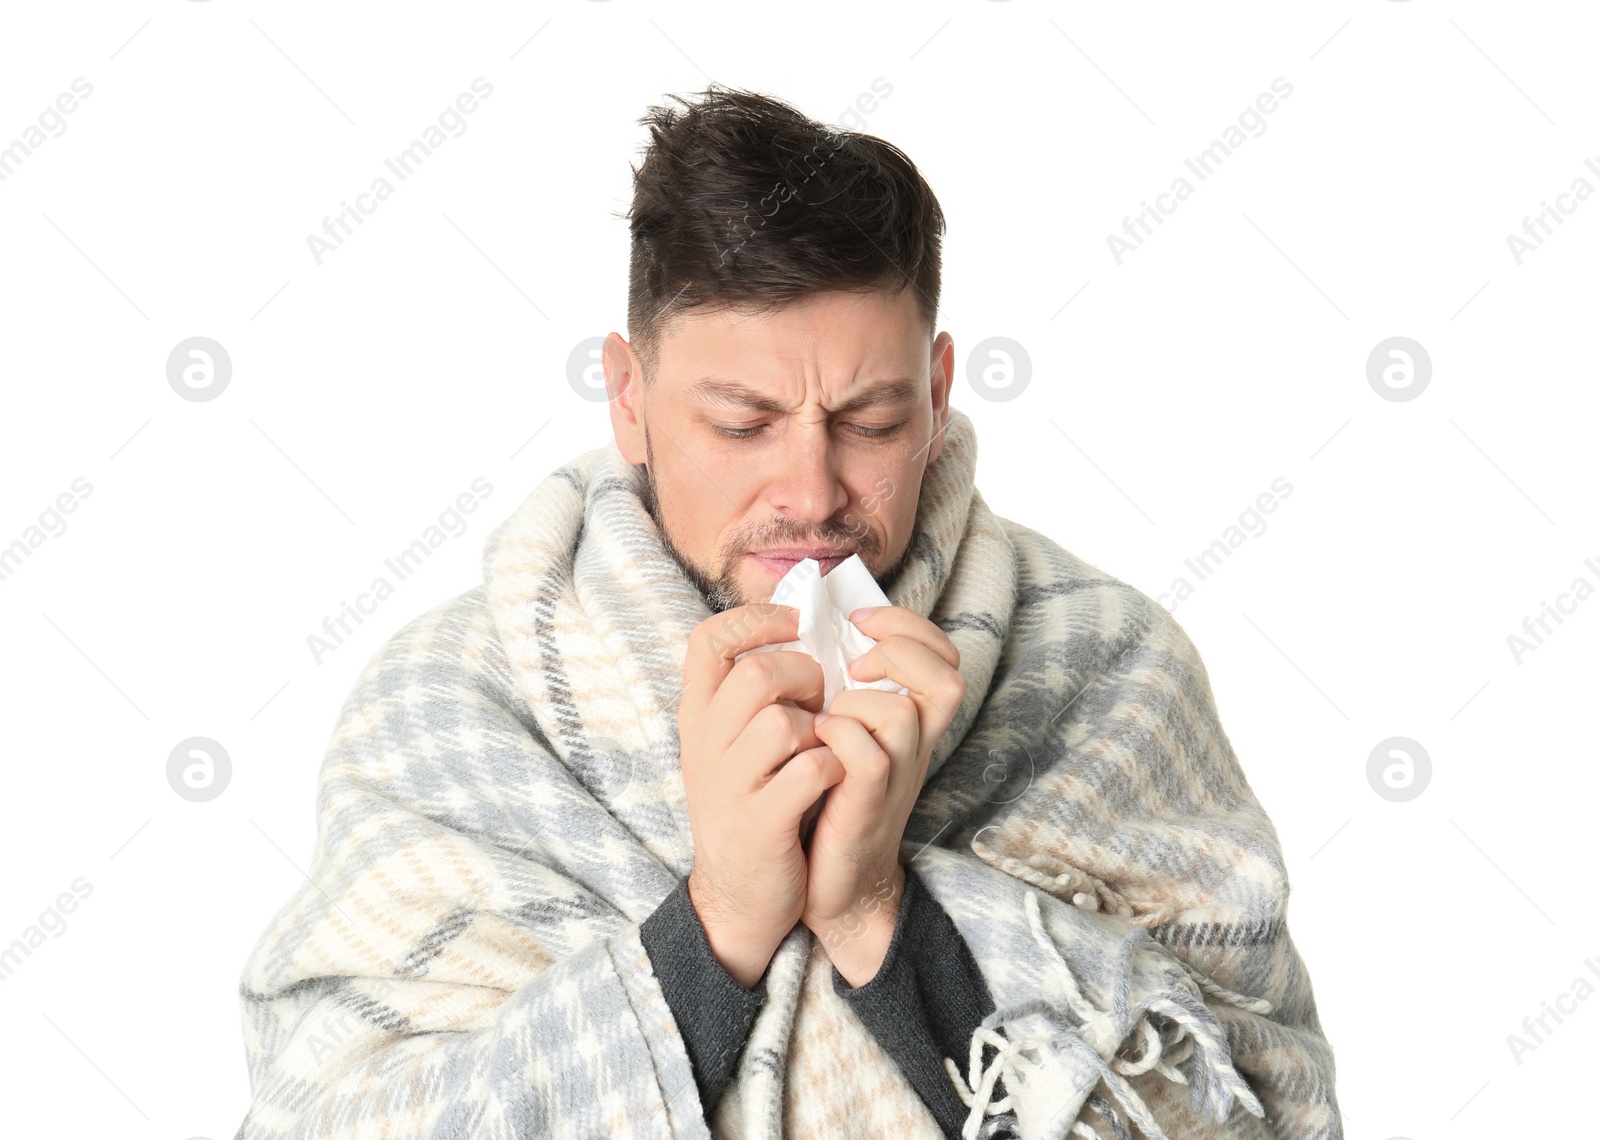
x=1195 y=1033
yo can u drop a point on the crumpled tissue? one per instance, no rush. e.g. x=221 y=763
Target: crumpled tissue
x=826 y=633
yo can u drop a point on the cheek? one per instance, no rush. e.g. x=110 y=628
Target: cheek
x=902 y=511
x=888 y=499
x=700 y=490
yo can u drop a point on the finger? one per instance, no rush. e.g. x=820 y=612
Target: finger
x=716 y=641
x=773 y=734
x=799 y=783
x=868 y=766
x=890 y=724
x=936 y=686
x=880 y=622
x=760 y=680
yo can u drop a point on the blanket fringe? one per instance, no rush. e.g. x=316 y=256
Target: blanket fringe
x=1254 y=1005
x=1192 y=1032
x=1063 y=880
x=1108 y=1112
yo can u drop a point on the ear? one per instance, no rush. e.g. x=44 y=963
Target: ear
x=624 y=396
x=941 y=375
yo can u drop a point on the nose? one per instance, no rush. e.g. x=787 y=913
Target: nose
x=806 y=487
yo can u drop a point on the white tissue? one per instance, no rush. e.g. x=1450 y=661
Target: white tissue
x=825 y=602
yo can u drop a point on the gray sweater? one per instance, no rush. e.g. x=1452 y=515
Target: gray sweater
x=923 y=1004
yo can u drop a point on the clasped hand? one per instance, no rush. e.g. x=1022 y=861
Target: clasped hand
x=758 y=759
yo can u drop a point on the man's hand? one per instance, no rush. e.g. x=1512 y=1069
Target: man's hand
x=740 y=728
x=884 y=741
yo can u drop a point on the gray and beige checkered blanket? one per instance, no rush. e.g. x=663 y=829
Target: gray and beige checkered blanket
x=500 y=807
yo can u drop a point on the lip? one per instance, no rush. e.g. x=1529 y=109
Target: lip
x=781 y=561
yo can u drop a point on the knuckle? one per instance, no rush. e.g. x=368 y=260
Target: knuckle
x=773 y=718
x=759 y=669
x=876 y=766
x=811 y=760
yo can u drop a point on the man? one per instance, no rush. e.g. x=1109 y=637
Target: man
x=586 y=866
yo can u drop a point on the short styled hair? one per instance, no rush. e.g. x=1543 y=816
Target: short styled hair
x=743 y=203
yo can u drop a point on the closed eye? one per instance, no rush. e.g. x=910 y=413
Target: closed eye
x=752 y=432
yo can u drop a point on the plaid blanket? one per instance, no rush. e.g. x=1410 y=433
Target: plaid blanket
x=500 y=807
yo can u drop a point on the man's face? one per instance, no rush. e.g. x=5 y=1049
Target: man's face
x=840 y=405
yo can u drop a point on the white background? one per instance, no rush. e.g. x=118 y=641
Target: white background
x=369 y=391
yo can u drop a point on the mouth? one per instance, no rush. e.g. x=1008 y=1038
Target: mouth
x=780 y=562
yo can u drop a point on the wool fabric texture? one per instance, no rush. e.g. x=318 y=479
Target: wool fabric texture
x=501 y=806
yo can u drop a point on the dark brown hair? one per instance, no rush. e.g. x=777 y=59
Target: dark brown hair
x=742 y=202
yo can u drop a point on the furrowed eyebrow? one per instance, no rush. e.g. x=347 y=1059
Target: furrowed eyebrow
x=730 y=393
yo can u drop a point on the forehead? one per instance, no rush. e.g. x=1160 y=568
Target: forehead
x=834 y=339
